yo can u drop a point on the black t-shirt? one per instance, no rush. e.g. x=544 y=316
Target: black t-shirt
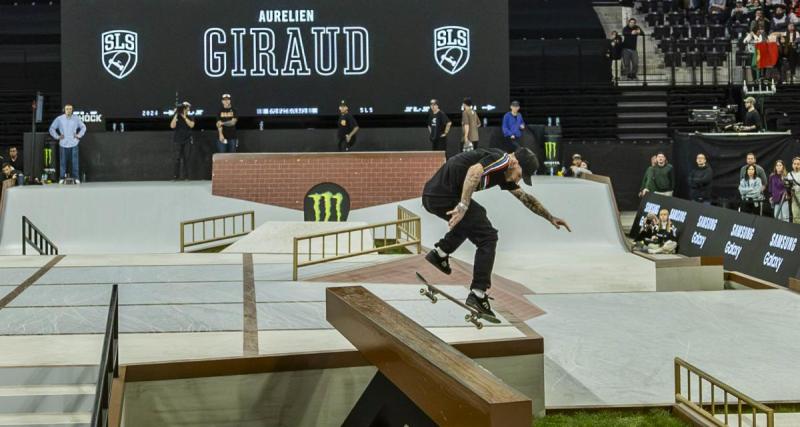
x=16 y=164
x=225 y=114
x=753 y=118
x=183 y=132
x=631 y=39
x=448 y=181
x=346 y=125
x=438 y=123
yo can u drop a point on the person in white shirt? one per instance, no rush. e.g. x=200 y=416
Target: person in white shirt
x=68 y=129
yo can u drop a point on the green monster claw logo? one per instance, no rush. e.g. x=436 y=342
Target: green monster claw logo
x=327 y=197
x=48 y=157
x=550 y=150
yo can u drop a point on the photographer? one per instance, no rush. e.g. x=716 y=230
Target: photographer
x=793 y=184
x=658 y=235
x=182 y=140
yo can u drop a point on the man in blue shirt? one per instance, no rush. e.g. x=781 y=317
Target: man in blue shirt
x=68 y=130
x=513 y=125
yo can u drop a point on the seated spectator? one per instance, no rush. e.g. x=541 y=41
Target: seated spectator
x=9 y=172
x=577 y=168
x=662 y=177
x=700 y=181
x=717 y=6
x=779 y=193
x=750 y=189
x=14 y=158
x=750 y=160
x=658 y=235
x=793 y=185
x=759 y=21
x=780 y=21
x=753 y=6
x=739 y=13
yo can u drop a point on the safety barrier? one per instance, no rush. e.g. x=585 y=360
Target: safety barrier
x=211 y=222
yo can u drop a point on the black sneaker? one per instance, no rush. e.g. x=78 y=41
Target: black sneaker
x=442 y=263
x=482 y=306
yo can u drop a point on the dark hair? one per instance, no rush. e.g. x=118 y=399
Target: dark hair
x=755 y=172
x=467 y=101
x=4 y=165
x=13 y=147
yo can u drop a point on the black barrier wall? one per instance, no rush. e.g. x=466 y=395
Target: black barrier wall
x=759 y=246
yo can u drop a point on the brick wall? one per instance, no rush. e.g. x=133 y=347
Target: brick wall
x=371 y=178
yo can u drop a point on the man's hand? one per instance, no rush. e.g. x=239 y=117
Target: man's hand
x=456 y=215
x=513 y=137
x=558 y=223
x=347 y=138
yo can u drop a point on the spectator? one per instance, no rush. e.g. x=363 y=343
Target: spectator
x=585 y=167
x=14 y=158
x=438 y=127
x=347 y=127
x=750 y=189
x=751 y=161
x=700 y=181
x=717 y=6
x=226 y=127
x=578 y=167
x=789 y=52
x=630 y=59
x=739 y=13
x=759 y=22
x=779 y=194
x=68 y=130
x=470 y=123
x=662 y=177
x=658 y=235
x=513 y=125
x=753 y=6
x=615 y=46
x=182 y=140
x=793 y=181
x=9 y=172
x=780 y=21
x=794 y=9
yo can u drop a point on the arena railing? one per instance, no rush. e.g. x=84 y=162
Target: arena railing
x=210 y=233
x=31 y=235
x=407 y=232
x=109 y=364
x=708 y=409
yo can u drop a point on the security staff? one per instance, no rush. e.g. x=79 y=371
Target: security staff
x=348 y=127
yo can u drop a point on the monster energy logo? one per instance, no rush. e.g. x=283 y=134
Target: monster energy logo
x=48 y=157
x=550 y=150
x=327 y=198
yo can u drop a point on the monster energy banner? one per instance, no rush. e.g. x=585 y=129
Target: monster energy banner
x=326 y=202
x=552 y=136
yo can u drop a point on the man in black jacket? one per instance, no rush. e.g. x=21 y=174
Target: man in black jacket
x=700 y=181
x=630 y=58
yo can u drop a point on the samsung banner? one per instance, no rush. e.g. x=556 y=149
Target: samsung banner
x=759 y=246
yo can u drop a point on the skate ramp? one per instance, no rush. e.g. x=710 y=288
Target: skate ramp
x=277 y=237
x=123 y=217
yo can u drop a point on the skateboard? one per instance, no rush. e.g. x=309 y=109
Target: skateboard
x=474 y=315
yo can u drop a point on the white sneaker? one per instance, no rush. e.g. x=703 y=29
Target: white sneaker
x=77 y=181
x=61 y=181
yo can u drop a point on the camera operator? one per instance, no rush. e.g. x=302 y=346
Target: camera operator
x=182 y=140
x=658 y=235
x=752 y=119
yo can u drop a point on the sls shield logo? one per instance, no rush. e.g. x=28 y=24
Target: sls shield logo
x=120 y=52
x=451 y=48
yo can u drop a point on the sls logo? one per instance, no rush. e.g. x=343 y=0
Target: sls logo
x=120 y=50
x=451 y=48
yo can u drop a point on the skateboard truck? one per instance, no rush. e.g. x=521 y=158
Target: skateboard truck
x=431 y=293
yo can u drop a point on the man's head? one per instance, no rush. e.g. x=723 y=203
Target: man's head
x=343 y=106
x=576 y=159
x=751 y=159
x=759 y=14
x=661 y=159
x=435 y=105
x=514 y=107
x=7 y=169
x=791 y=27
x=68 y=109
x=467 y=103
x=226 y=101
x=701 y=160
x=796 y=164
x=12 y=152
x=522 y=164
x=779 y=11
x=749 y=102
x=632 y=22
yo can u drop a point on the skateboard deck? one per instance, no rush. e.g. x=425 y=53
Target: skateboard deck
x=474 y=316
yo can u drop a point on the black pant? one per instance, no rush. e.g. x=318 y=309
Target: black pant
x=439 y=144
x=183 y=151
x=476 y=227
x=511 y=144
x=344 y=145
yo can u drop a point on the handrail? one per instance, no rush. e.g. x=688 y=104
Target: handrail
x=715 y=383
x=33 y=236
x=213 y=221
x=109 y=363
x=408 y=224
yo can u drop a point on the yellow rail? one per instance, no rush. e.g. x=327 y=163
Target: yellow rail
x=241 y=223
x=407 y=232
x=708 y=409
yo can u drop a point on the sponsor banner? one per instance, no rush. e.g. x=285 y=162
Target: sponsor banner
x=760 y=246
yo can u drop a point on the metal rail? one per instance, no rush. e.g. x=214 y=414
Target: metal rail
x=109 y=364
x=708 y=410
x=208 y=227
x=407 y=232
x=31 y=235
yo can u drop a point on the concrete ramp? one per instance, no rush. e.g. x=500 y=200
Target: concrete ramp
x=277 y=237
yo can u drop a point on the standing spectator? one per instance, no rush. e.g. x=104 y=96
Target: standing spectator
x=14 y=158
x=793 y=181
x=700 y=181
x=226 y=127
x=438 y=127
x=630 y=59
x=789 y=52
x=662 y=177
x=750 y=190
x=513 y=125
x=470 y=123
x=614 y=53
x=779 y=194
x=751 y=161
x=68 y=130
x=182 y=140
x=348 y=127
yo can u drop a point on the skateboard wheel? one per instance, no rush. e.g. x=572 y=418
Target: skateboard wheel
x=422 y=291
x=479 y=325
x=469 y=318
x=434 y=299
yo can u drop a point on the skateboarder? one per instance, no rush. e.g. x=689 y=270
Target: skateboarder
x=448 y=195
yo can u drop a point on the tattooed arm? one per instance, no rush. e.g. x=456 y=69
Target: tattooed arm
x=536 y=207
x=470 y=184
